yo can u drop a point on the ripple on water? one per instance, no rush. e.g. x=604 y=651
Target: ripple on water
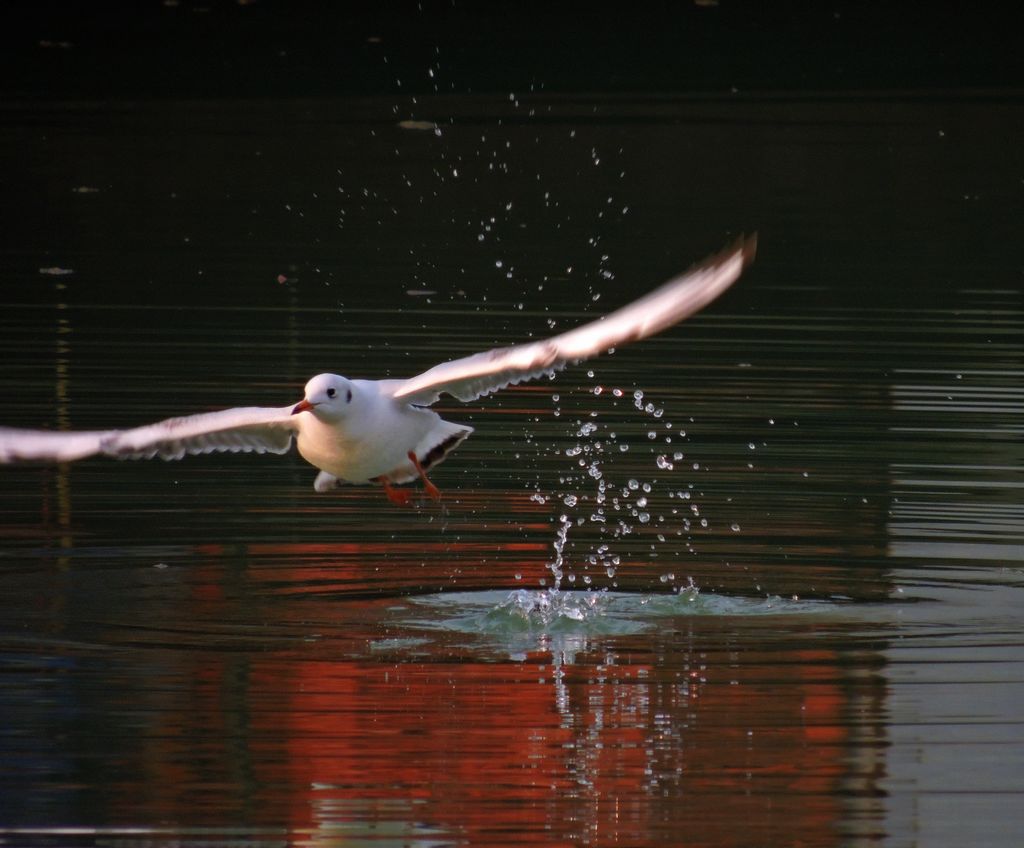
x=538 y=612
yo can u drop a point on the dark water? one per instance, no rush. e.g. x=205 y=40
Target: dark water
x=791 y=532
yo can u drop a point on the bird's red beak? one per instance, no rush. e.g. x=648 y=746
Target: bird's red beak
x=302 y=406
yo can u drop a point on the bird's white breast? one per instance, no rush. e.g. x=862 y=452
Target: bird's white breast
x=372 y=440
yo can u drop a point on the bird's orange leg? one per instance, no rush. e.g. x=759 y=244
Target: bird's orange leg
x=432 y=490
x=399 y=497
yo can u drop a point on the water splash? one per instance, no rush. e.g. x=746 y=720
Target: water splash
x=556 y=612
x=518 y=619
x=559 y=545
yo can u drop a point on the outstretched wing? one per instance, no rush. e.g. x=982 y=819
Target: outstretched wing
x=482 y=373
x=243 y=429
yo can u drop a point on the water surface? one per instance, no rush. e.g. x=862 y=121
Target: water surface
x=789 y=533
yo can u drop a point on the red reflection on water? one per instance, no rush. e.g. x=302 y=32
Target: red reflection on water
x=612 y=750
x=692 y=736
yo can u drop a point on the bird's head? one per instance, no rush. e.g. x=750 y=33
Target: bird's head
x=328 y=397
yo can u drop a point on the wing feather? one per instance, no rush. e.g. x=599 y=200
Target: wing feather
x=242 y=429
x=473 y=376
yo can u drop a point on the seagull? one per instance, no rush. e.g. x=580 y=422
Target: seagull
x=383 y=431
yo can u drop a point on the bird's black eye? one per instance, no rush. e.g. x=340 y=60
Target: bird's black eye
x=331 y=392
x=348 y=396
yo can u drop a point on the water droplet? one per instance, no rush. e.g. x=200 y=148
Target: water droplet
x=570 y=500
x=734 y=527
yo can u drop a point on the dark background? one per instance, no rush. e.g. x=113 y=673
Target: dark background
x=217 y=48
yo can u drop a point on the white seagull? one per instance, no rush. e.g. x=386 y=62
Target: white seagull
x=381 y=431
